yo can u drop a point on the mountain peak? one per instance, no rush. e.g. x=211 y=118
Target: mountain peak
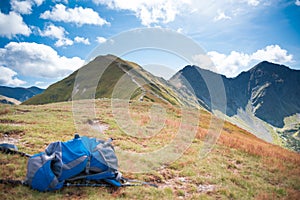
x=107 y=56
x=269 y=87
x=199 y=69
x=112 y=69
x=269 y=66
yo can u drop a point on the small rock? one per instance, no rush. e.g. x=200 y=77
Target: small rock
x=206 y=188
x=181 y=179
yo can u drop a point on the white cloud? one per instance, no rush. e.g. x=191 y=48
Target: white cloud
x=236 y=62
x=53 y=31
x=38 y=83
x=37 y=60
x=8 y=77
x=77 y=15
x=204 y=61
x=149 y=12
x=58 y=33
x=156 y=12
x=38 y=2
x=179 y=30
x=101 y=40
x=82 y=40
x=297 y=2
x=64 y=1
x=221 y=16
x=13 y=24
x=24 y=6
x=63 y=42
x=273 y=53
x=253 y=2
x=231 y=64
x=42 y=84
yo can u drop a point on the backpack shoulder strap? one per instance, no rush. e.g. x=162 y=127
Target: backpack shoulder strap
x=97 y=176
x=107 y=176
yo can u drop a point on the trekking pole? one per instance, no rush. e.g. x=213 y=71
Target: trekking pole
x=87 y=185
x=131 y=182
x=13 y=182
x=12 y=149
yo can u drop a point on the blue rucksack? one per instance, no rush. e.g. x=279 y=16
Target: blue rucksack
x=89 y=161
x=80 y=158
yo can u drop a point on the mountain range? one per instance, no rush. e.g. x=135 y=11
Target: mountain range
x=19 y=93
x=270 y=89
x=264 y=100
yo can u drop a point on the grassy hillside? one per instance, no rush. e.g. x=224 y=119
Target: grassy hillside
x=155 y=90
x=240 y=166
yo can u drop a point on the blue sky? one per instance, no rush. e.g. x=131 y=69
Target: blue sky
x=43 y=41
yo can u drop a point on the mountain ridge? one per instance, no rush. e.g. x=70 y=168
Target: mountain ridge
x=263 y=84
x=20 y=93
x=151 y=88
x=257 y=99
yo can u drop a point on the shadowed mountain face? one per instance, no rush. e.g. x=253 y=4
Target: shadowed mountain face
x=19 y=93
x=272 y=90
x=196 y=80
x=275 y=92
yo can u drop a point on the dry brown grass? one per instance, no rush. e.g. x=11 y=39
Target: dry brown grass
x=4 y=110
x=256 y=146
x=237 y=138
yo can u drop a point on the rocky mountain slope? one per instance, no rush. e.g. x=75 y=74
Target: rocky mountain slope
x=272 y=90
x=264 y=100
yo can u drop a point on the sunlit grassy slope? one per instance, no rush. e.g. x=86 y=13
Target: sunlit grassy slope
x=240 y=166
x=106 y=71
